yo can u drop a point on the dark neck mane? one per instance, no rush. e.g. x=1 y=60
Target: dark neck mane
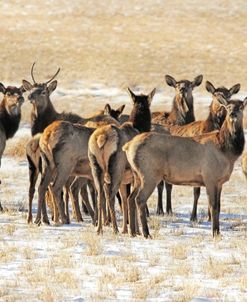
x=9 y=123
x=40 y=122
x=141 y=118
x=175 y=117
x=231 y=144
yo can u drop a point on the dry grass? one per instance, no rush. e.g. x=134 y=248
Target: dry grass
x=93 y=243
x=179 y=251
x=17 y=147
x=140 y=291
x=137 y=41
x=217 y=268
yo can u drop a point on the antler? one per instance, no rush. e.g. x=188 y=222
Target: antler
x=32 y=73
x=53 y=76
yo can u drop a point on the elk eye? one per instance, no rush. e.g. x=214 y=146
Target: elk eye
x=43 y=92
x=8 y=93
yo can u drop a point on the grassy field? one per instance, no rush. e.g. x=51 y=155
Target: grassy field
x=103 y=47
x=124 y=42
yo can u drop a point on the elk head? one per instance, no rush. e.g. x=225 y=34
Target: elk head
x=220 y=96
x=13 y=99
x=234 y=116
x=113 y=113
x=184 y=88
x=140 y=115
x=40 y=93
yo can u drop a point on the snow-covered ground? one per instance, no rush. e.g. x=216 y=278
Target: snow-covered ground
x=71 y=263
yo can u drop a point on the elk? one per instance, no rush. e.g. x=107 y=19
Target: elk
x=182 y=113
x=109 y=162
x=213 y=122
x=206 y=160
x=244 y=164
x=64 y=152
x=10 y=114
x=183 y=103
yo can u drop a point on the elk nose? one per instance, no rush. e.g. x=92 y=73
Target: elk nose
x=233 y=115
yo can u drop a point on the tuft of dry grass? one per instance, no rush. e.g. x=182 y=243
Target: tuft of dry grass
x=9 y=229
x=93 y=243
x=17 y=147
x=140 y=291
x=217 y=268
x=179 y=251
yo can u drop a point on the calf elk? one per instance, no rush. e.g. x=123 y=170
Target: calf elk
x=184 y=161
x=10 y=114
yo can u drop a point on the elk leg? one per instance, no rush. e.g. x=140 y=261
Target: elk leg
x=132 y=210
x=84 y=198
x=110 y=201
x=141 y=200
x=86 y=202
x=45 y=218
x=160 y=188
x=214 y=199
x=168 y=198
x=197 y=191
x=66 y=201
x=74 y=190
x=33 y=176
x=98 y=180
x=119 y=198
x=92 y=193
x=45 y=181
x=123 y=193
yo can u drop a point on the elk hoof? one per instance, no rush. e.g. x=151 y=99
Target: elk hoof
x=29 y=219
x=132 y=234
x=193 y=218
x=100 y=232
x=37 y=221
x=46 y=221
x=124 y=231
x=160 y=213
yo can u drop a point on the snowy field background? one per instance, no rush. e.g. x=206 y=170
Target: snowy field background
x=102 y=48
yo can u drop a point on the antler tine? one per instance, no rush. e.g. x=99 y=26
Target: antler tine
x=32 y=72
x=53 y=76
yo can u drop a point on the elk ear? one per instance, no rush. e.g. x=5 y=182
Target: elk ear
x=235 y=89
x=52 y=87
x=210 y=87
x=26 y=85
x=151 y=95
x=2 y=88
x=131 y=93
x=107 y=109
x=120 y=110
x=22 y=89
x=170 y=81
x=245 y=102
x=197 y=80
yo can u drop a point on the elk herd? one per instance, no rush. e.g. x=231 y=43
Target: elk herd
x=111 y=154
